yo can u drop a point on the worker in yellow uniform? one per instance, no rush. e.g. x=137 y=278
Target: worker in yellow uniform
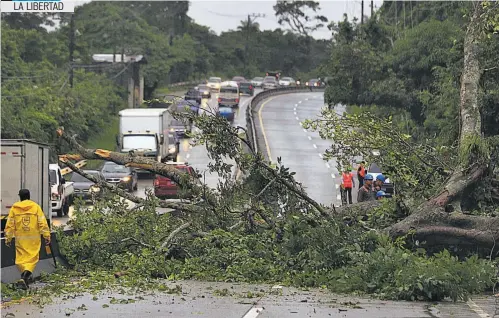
x=26 y=222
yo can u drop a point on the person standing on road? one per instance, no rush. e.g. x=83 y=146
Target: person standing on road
x=361 y=173
x=348 y=183
x=25 y=223
x=366 y=191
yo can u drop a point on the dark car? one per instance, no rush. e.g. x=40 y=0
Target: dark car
x=246 y=88
x=164 y=188
x=84 y=188
x=183 y=127
x=124 y=177
x=194 y=94
x=315 y=82
x=226 y=112
x=374 y=169
x=204 y=90
x=238 y=79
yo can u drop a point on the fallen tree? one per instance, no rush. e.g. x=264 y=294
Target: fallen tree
x=438 y=220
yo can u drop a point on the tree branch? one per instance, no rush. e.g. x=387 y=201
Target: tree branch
x=122 y=193
x=141 y=162
x=174 y=233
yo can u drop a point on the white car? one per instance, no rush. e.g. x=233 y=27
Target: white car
x=257 y=81
x=214 y=83
x=287 y=81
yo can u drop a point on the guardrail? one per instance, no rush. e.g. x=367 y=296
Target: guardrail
x=252 y=107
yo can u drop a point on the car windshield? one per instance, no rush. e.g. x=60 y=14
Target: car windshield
x=213 y=80
x=203 y=87
x=314 y=80
x=245 y=84
x=228 y=90
x=287 y=79
x=139 y=142
x=258 y=79
x=52 y=177
x=269 y=80
x=75 y=177
x=114 y=168
x=374 y=168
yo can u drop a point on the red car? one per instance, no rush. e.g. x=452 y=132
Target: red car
x=164 y=188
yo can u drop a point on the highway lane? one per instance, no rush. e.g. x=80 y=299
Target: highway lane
x=301 y=150
x=200 y=299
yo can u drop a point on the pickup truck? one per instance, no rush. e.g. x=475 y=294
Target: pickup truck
x=61 y=191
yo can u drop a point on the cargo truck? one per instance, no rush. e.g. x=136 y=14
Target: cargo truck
x=25 y=165
x=147 y=132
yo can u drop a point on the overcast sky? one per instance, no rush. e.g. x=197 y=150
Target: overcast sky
x=226 y=15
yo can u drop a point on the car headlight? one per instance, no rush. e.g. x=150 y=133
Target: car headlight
x=126 y=179
x=94 y=189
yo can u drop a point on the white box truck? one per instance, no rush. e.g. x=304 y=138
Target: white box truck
x=25 y=165
x=147 y=132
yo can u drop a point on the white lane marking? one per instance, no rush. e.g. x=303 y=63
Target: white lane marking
x=253 y=313
x=327 y=165
x=299 y=102
x=295 y=113
x=332 y=175
x=190 y=146
x=303 y=129
x=187 y=156
x=297 y=118
x=320 y=155
x=306 y=98
x=315 y=146
x=296 y=105
x=302 y=125
x=337 y=186
x=309 y=138
x=338 y=197
x=477 y=309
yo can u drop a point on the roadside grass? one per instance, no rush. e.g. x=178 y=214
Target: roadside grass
x=106 y=140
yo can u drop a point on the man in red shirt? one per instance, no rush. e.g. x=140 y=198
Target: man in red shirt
x=348 y=183
x=361 y=173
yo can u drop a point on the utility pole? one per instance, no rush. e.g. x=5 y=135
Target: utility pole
x=71 y=49
x=249 y=23
x=372 y=8
x=362 y=13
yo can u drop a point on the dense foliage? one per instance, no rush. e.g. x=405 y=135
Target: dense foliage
x=35 y=82
x=403 y=68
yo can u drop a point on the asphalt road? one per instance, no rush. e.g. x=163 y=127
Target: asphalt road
x=301 y=150
x=214 y=300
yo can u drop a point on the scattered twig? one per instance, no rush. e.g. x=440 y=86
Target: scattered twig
x=174 y=233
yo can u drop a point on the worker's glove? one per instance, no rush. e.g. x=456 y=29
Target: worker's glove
x=47 y=241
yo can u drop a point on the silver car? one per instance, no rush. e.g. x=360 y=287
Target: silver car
x=270 y=82
x=257 y=81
